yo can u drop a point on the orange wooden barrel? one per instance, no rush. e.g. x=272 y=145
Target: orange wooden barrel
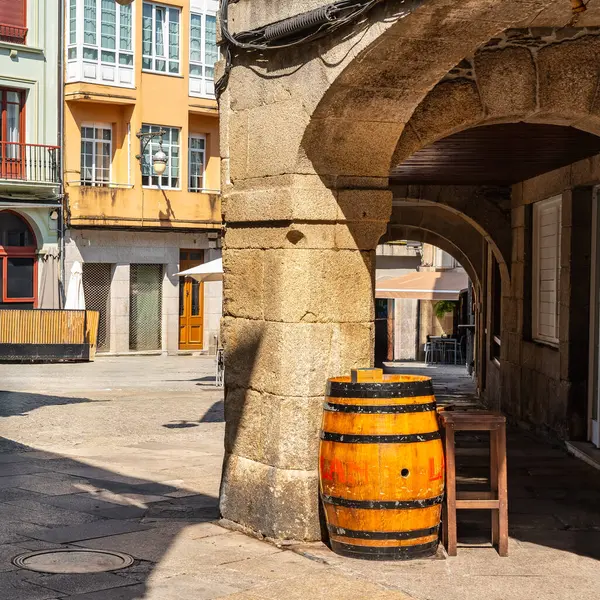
x=382 y=468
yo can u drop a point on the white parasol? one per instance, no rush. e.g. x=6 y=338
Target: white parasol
x=75 y=297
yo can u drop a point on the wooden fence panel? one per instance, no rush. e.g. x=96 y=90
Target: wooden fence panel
x=48 y=327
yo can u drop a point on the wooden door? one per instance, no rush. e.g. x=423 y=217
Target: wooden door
x=191 y=303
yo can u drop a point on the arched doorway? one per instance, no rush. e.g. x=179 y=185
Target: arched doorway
x=18 y=262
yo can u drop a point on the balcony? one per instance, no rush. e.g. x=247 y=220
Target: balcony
x=13 y=34
x=29 y=163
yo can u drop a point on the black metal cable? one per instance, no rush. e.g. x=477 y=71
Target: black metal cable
x=294 y=31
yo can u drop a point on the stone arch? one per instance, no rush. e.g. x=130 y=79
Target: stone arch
x=409 y=64
x=469 y=206
x=506 y=81
x=419 y=234
x=447 y=226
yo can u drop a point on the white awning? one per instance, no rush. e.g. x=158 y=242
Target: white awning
x=210 y=271
x=424 y=285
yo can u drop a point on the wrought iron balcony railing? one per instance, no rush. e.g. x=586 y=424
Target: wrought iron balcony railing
x=13 y=34
x=29 y=162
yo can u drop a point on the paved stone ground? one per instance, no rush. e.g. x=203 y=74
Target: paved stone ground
x=125 y=454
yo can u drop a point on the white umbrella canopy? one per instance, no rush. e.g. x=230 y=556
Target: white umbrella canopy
x=75 y=298
x=210 y=271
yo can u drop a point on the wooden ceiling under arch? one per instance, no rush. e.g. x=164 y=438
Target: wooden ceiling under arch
x=501 y=154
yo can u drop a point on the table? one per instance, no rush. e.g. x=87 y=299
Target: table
x=441 y=342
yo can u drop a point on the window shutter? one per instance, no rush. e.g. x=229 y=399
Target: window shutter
x=12 y=12
x=546 y=259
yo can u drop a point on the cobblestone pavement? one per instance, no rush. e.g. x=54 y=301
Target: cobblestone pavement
x=124 y=454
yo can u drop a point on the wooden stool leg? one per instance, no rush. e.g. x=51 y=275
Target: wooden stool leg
x=450 y=493
x=502 y=492
x=445 y=524
x=494 y=486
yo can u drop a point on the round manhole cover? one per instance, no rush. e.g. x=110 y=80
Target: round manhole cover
x=72 y=560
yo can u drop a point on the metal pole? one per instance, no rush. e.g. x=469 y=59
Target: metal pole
x=61 y=145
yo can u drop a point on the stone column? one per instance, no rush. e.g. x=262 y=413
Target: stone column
x=170 y=308
x=298 y=308
x=119 y=308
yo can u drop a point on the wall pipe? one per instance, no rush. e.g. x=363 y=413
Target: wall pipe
x=61 y=144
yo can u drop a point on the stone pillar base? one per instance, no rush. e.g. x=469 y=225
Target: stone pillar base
x=298 y=306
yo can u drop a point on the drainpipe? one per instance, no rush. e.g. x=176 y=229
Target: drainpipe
x=61 y=145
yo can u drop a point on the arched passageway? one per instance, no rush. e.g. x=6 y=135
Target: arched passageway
x=305 y=211
x=435 y=295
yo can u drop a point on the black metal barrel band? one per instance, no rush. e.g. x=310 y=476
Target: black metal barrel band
x=399 y=389
x=374 y=409
x=383 y=535
x=382 y=504
x=409 y=438
x=385 y=552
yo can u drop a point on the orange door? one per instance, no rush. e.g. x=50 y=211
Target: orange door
x=191 y=303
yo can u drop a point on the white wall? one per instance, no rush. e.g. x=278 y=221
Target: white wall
x=394 y=260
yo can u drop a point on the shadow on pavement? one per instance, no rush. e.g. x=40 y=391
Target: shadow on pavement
x=20 y=403
x=180 y=425
x=215 y=414
x=51 y=501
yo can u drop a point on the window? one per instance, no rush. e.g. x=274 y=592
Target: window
x=546 y=269
x=170 y=146
x=160 y=39
x=203 y=53
x=12 y=133
x=72 y=51
x=96 y=153
x=100 y=41
x=107 y=32
x=197 y=162
x=13 y=21
x=12 y=130
x=17 y=260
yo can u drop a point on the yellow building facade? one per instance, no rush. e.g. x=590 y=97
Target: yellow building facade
x=139 y=80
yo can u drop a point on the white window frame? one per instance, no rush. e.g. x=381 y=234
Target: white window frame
x=93 y=182
x=196 y=136
x=206 y=82
x=78 y=20
x=167 y=147
x=538 y=208
x=71 y=16
x=165 y=31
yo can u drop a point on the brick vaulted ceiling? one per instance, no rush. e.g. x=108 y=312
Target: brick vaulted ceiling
x=496 y=154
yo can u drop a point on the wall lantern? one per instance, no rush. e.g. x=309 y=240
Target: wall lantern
x=159 y=160
x=124 y=2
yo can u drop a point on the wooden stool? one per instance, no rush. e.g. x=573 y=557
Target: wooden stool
x=496 y=499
